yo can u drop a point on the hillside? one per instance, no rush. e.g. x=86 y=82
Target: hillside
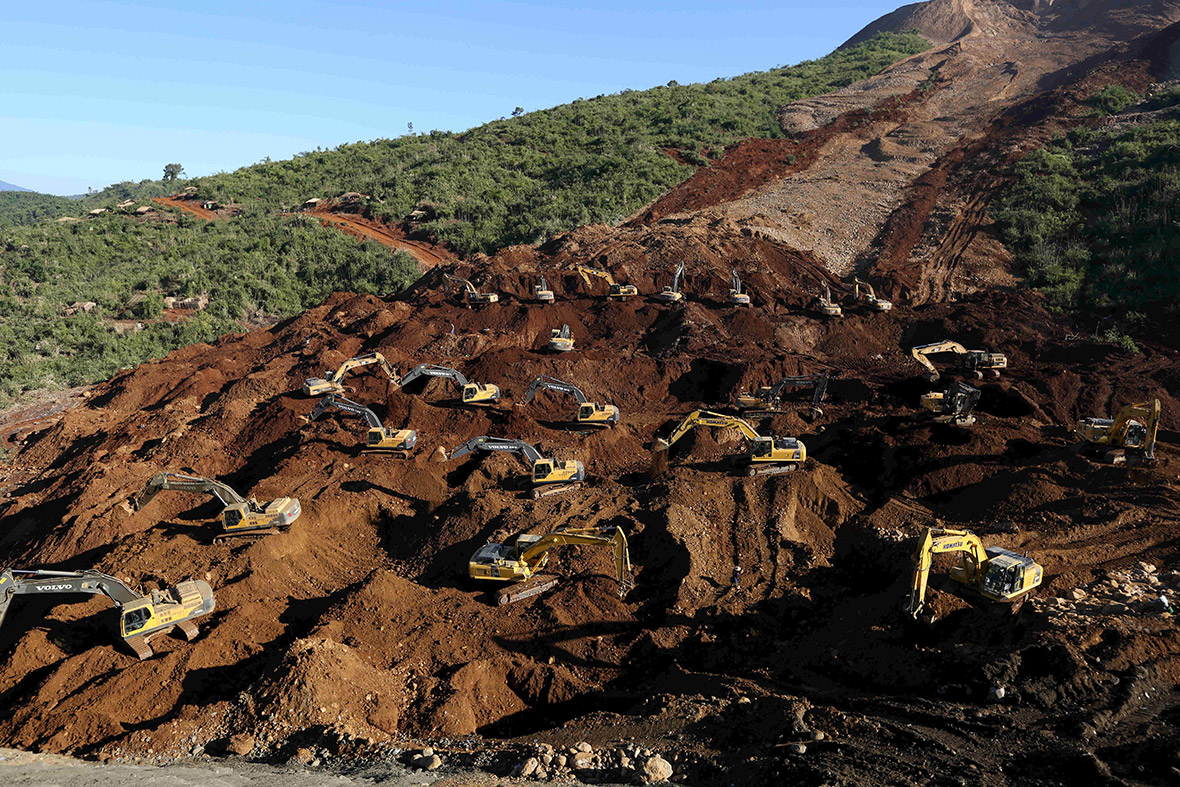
x=9 y=187
x=356 y=634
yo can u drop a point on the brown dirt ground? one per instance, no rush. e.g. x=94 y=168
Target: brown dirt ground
x=358 y=626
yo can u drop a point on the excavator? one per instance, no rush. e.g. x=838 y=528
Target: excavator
x=519 y=561
x=141 y=618
x=671 y=292
x=976 y=361
x=736 y=296
x=766 y=456
x=589 y=413
x=1129 y=438
x=398 y=442
x=954 y=405
x=614 y=289
x=473 y=393
x=542 y=293
x=549 y=476
x=826 y=306
x=241 y=517
x=994 y=573
x=467 y=292
x=768 y=397
x=333 y=381
x=863 y=292
x=560 y=340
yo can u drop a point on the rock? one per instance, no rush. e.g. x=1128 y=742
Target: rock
x=797 y=748
x=560 y=760
x=241 y=744
x=304 y=756
x=582 y=760
x=817 y=736
x=996 y=693
x=424 y=763
x=1114 y=609
x=743 y=700
x=527 y=767
x=1077 y=594
x=656 y=769
x=546 y=759
x=1147 y=568
x=428 y=752
x=583 y=746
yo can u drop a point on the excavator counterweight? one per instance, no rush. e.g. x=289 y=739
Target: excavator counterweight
x=1129 y=437
x=519 y=561
x=333 y=381
x=141 y=618
x=588 y=414
x=378 y=439
x=240 y=517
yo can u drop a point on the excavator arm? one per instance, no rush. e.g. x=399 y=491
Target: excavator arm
x=494 y=444
x=431 y=370
x=921 y=354
x=347 y=406
x=463 y=284
x=586 y=272
x=937 y=541
x=607 y=536
x=552 y=384
x=676 y=277
x=184 y=483
x=708 y=418
x=18 y=582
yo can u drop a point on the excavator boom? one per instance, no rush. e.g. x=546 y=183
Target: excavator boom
x=472 y=393
x=333 y=382
x=970 y=360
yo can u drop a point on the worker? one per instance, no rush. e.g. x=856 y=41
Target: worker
x=1164 y=604
x=737 y=576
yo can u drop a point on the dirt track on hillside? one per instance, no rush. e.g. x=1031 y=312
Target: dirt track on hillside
x=427 y=254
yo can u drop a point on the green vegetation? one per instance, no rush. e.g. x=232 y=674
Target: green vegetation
x=30 y=207
x=258 y=267
x=525 y=179
x=1113 y=99
x=514 y=180
x=1092 y=219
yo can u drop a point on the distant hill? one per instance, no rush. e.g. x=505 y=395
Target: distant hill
x=9 y=187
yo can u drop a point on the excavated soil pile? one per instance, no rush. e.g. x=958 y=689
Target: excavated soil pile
x=358 y=627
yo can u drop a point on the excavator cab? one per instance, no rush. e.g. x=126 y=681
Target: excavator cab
x=1009 y=574
x=549 y=471
x=135 y=620
x=475 y=393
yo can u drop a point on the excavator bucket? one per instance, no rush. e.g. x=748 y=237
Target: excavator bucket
x=439 y=455
x=659 y=459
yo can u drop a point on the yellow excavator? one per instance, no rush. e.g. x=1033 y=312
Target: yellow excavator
x=671 y=292
x=589 y=413
x=560 y=340
x=977 y=361
x=994 y=573
x=397 y=442
x=141 y=618
x=863 y=292
x=1129 y=438
x=766 y=455
x=614 y=289
x=549 y=476
x=333 y=381
x=519 y=561
x=768 y=398
x=736 y=296
x=825 y=305
x=953 y=406
x=473 y=393
x=467 y=292
x=241 y=516
x=542 y=293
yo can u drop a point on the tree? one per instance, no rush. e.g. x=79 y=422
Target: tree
x=172 y=172
x=518 y=112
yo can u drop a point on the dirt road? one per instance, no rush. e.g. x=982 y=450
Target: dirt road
x=428 y=255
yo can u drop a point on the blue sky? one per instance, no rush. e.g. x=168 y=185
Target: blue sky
x=93 y=93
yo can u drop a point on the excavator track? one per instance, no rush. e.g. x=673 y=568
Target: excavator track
x=554 y=489
x=532 y=587
x=395 y=453
x=773 y=469
x=141 y=647
x=253 y=533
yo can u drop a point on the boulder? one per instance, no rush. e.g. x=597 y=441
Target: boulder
x=656 y=769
